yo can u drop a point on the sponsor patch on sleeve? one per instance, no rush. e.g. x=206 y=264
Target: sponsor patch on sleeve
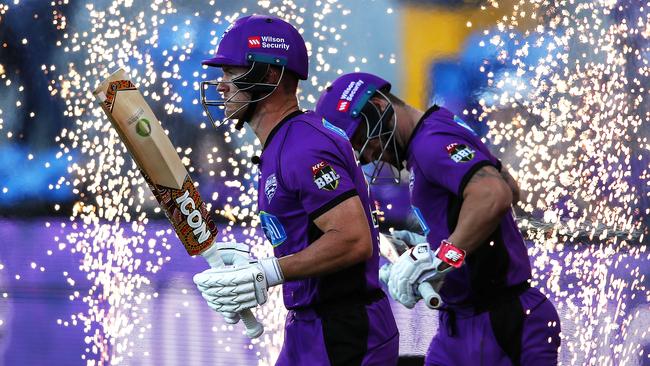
x=460 y=153
x=325 y=177
x=423 y=224
x=273 y=229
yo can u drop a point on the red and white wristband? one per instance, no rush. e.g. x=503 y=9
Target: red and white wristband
x=450 y=254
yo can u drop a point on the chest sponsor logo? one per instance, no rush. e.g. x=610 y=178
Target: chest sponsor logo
x=411 y=180
x=273 y=229
x=460 y=153
x=267 y=42
x=270 y=186
x=325 y=177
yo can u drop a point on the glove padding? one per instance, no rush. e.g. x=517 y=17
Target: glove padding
x=239 y=287
x=414 y=266
x=231 y=253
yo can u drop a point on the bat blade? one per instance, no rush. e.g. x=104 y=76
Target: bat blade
x=163 y=170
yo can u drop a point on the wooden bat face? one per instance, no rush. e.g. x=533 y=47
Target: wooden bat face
x=158 y=161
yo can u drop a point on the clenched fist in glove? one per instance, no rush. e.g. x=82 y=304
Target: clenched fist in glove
x=230 y=253
x=240 y=286
x=420 y=264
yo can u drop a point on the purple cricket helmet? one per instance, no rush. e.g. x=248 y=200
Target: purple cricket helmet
x=342 y=102
x=264 y=39
x=255 y=42
x=346 y=104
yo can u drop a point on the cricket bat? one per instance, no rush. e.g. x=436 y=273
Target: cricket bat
x=391 y=250
x=161 y=167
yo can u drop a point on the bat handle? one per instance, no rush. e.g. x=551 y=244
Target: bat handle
x=431 y=297
x=254 y=328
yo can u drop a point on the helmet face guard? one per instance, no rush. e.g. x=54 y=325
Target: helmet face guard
x=379 y=127
x=249 y=82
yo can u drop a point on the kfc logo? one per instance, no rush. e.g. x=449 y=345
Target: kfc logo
x=325 y=177
x=460 y=153
x=254 y=42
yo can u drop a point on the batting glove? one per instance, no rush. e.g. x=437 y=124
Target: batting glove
x=239 y=287
x=231 y=253
x=409 y=238
x=420 y=264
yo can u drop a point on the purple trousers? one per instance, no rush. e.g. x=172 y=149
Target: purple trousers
x=518 y=330
x=345 y=334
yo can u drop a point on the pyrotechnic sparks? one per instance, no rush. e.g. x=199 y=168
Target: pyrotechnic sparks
x=572 y=124
x=161 y=46
x=568 y=113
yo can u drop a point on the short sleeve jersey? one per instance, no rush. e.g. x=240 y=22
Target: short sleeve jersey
x=442 y=156
x=307 y=168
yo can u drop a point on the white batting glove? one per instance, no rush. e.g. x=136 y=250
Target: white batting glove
x=231 y=253
x=408 y=237
x=239 y=287
x=420 y=264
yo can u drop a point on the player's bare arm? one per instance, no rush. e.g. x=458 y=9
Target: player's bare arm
x=486 y=198
x=345 y=241
x=512 y=183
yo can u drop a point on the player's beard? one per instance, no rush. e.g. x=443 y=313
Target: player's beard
x=236 y=105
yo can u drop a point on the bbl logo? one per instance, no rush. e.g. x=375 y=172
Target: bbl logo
x=143 y=128
x=325 y=177
x=460 y=153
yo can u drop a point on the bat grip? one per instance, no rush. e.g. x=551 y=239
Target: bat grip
x=431 y=297
x=254 y=328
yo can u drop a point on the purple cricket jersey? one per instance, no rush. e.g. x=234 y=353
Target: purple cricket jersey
x=442 y=156
x=308 y=167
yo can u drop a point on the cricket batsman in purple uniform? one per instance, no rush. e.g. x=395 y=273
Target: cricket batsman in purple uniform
x=472 y=253
x=314 y=209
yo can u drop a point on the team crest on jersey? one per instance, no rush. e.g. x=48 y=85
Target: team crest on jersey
x=325 y=177
x=460 y=153
x=273 y=229
x=270 y=186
